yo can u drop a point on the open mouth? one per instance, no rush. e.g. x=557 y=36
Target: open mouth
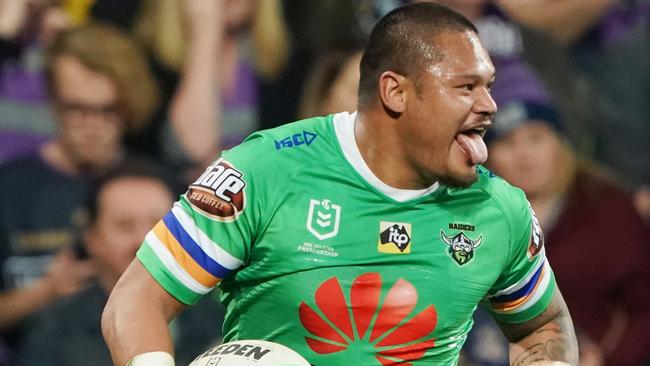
x=479 y=130
x=471 y=142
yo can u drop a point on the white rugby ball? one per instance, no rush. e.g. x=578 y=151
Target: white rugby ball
x=250 y=353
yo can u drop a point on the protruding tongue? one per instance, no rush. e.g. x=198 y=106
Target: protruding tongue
x=474 y=147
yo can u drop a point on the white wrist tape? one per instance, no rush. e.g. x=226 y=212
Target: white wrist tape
x=158 y=358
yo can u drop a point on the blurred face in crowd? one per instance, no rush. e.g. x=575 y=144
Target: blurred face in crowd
x=127 y=208
x=90 y=124
x=443 y=127
x=343 y=92
x=529 y=157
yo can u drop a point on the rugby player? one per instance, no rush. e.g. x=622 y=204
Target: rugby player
x=366 y=238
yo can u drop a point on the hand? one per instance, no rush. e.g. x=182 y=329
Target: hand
x=591 y=354
x=53 y=21
x=13 y=17
x=67 y=275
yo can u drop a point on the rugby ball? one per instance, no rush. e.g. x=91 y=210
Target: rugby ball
x=250 y=353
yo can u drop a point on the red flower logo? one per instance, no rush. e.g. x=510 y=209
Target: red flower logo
x=395 y=336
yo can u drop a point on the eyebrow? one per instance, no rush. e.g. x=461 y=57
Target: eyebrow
x=475 y=77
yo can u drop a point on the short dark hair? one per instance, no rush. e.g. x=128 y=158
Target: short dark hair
x=403 y=42
x=131 y=167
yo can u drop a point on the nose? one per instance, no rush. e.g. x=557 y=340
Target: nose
x=484 y=103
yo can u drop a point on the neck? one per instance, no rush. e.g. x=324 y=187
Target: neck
x=55 y=155
x=548 y=202
x=378 y=141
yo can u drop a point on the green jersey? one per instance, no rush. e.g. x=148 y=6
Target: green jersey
x=313 y=251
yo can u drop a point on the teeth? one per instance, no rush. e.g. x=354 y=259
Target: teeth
x=476 y=129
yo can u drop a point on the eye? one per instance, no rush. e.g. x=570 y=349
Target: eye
x=468 y=87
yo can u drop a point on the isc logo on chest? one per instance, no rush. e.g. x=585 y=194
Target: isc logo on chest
x=219 y=191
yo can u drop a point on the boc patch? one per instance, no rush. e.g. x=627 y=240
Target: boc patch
x=219 y=192
x=394 y=238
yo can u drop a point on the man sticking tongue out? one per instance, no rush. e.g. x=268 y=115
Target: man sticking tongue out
x=474 y=147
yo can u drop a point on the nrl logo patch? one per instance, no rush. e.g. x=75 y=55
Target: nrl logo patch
x=323 y=218
x=461 y=248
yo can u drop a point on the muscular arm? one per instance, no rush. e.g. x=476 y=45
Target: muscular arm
x=136 y=316
x=547 y=338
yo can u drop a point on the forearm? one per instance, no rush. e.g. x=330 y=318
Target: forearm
x=545 y=339
x=132 y=331
x=195 y=107
x=65 y=276
x=17 y=304
x=135 y=319
x=557 y=17
x=553 y=342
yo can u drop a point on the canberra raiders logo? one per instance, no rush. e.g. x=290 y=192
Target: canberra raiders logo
x=461 y=248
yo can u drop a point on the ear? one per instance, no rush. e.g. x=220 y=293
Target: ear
x=392 y=91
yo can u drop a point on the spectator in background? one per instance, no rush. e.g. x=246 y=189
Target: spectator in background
x=332 y=84
x=102 y=90
x=315 y=26
x=26 y=120
x=222 y=48
x=514 y=51
x=608 y=43
x=121 y=208
x=593 y=236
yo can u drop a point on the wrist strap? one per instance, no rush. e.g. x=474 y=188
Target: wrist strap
x=157 y=358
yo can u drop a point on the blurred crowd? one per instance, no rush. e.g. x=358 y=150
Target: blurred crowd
x=109 y=108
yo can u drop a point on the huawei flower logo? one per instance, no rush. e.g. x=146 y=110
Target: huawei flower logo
x=394 y=333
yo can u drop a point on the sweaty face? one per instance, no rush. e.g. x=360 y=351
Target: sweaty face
x=90 y=125
x=127 y=209
x=444 y=125
x=529 y=158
